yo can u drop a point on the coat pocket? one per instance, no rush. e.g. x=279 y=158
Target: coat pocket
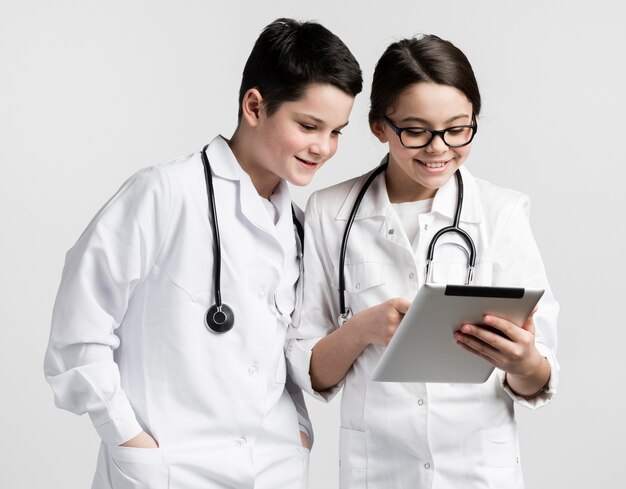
x=134 y=468
x=500 y=446
x=352 y=459
x=360 y=277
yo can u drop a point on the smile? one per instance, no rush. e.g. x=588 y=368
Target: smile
x=433 y=164
x=307 y=163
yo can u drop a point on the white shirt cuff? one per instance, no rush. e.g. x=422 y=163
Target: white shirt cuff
x=299 y=362
x=121 y=426
x=547 y=393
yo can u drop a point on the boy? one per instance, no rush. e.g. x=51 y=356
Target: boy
x=177 y=404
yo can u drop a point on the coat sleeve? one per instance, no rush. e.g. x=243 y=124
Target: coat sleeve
x=109 y=261
x=319 y=304
x=517 y=262
x=303 y=414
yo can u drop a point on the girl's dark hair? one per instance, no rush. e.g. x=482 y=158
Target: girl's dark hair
x=425 y=59
x=289 y=56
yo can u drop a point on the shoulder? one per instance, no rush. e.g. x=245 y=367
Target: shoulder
x=181 y=168
x=330 y=200
x=151 y=180
x=152 y=189
x=172 y=182
x=499 y=202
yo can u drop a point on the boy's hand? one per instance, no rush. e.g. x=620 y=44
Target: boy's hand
x=142 y=440
x=304 y=439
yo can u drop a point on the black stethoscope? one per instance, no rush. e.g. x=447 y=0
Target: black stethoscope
x=346 y=313
x=220 y=317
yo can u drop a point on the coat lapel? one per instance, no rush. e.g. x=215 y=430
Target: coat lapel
x=225 y=165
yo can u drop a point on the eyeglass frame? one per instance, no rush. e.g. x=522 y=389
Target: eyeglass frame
x=433 y=133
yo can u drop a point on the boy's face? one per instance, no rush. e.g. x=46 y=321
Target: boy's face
x=300 y=136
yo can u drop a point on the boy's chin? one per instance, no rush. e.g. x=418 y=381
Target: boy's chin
x=300 y=180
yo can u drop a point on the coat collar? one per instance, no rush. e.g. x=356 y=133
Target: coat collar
x=376 y=201
x=445 y=199
x=222 y=159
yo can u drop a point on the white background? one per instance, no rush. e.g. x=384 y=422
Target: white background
x=91 y=91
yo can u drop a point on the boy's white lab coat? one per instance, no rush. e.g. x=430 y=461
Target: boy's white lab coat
x=412 y=435
x=129 y=346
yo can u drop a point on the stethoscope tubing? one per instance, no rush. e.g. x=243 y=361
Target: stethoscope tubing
x=217 y=262
x=455 y=228
x=220 y=318
x=345 y=313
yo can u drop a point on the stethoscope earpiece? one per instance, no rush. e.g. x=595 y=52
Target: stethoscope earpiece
x=219 y=318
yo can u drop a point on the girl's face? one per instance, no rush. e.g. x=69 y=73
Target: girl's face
x=416 y=174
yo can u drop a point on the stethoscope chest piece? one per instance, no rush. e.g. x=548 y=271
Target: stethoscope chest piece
x=219 y=319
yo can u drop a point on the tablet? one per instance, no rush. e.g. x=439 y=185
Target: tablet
x=423 y=348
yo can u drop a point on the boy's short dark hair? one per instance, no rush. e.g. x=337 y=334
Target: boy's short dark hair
x=289 y=55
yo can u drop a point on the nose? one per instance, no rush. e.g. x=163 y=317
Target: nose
x=437 y=145
x=323 y=146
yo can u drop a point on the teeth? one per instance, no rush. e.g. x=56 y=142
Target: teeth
x=434 y=165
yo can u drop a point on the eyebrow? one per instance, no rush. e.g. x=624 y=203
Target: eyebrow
x=424 y=121
x=320 y=121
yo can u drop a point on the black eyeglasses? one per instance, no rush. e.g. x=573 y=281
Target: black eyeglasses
x=419 y=137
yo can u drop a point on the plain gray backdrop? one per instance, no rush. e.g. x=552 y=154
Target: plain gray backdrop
x=91 y=91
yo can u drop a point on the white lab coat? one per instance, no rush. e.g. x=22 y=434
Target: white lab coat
x=129 y=346
x=415 y=435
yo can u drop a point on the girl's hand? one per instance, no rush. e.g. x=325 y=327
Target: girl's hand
x=334 y=354
x=511 y=348
x=377 y=325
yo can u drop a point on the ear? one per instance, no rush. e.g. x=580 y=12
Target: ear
x=378 y=129
x=252 y=107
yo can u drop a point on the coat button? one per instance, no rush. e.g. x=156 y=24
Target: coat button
x=253 y=371
x=411 y=275
x=420 y=402
x=241 y=442
x=427 y=465
x=391 y=231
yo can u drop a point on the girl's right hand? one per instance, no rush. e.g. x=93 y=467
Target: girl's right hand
x=378 y=324
x=142 y=440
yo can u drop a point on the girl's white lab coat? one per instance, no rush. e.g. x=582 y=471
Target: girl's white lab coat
x=129 y=346
x=410 y=435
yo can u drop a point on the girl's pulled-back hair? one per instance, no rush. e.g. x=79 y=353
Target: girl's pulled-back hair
x=427 y=59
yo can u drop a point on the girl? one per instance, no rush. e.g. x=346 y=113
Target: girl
x=425 y=105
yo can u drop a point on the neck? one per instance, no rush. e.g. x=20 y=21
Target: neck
x=242 y=145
